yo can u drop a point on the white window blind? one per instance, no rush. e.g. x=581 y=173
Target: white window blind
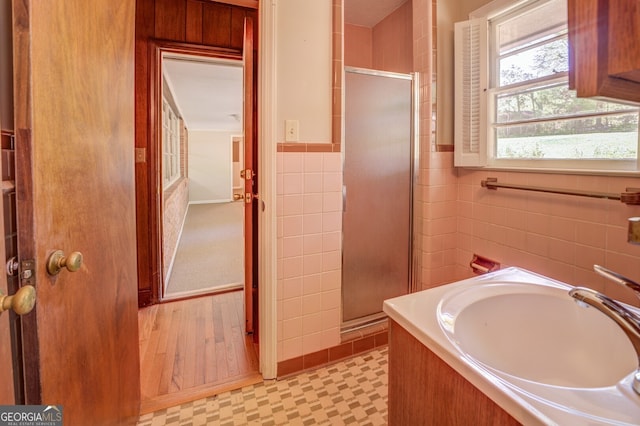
x=470 y=92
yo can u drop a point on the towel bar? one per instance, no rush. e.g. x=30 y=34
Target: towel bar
x=631 y=196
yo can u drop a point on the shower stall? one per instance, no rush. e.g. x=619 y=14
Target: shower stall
x=379 y=173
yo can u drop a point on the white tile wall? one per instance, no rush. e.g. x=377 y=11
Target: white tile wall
x=309 y=216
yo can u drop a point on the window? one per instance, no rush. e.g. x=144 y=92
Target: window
x=170 y=145
x=513 y=105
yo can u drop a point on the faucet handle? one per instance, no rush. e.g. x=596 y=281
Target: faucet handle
x=617 y=278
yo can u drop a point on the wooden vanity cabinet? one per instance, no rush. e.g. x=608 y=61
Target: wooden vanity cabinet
x=604 y=48
x=424 y=390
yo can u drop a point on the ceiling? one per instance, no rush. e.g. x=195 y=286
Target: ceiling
x=209 y=94
x=367 y=13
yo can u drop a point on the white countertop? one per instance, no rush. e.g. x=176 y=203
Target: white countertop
x=528 y=402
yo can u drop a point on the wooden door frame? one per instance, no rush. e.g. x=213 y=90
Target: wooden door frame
x=150 y=198
x=12 y=390
x=24 y=196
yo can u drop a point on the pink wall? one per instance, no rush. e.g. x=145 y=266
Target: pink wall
x=309 y=218
x=559 y=236
x=387 y=46
x=555 y=235
x=436 y=187
x=392 y=41
x=358 y=46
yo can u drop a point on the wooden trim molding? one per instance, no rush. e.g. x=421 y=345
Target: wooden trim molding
x=267 y=228
x=158 y=47
x=250 y=4
x=153 y=164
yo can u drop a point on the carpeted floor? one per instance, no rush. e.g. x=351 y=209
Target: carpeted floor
x=350 y=392
x=211 y=250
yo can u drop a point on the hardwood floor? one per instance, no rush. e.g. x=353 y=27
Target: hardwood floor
x=194 y=348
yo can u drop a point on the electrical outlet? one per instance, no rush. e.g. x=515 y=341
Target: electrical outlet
x=291 y=132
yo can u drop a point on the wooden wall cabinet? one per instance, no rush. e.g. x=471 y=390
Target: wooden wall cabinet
x=604 y=53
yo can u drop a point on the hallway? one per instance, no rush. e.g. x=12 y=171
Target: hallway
x=194 y=348
x=210 y=253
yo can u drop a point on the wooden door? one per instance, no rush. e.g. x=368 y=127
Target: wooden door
x=250 y=189
x=7 y=346
x=74 y=115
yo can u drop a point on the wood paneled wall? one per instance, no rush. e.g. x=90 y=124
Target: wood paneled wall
x=194 y=23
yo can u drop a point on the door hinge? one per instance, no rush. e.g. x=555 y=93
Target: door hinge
x=249 y=197
x=247 y=174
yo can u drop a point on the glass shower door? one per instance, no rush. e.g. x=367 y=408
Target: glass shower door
x=378 y=191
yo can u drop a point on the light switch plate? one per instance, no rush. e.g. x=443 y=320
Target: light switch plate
x=291 y=131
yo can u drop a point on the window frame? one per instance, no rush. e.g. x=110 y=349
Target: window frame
x=170 y=145
x=487 y=19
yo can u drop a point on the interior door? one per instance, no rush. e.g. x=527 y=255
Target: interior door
x=250 y=291
x=7 y=394
x=74 y=116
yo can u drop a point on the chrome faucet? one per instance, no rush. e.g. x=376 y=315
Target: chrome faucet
x=628 y=320
x=618 y=279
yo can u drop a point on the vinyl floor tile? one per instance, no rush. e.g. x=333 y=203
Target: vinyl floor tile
x=350 y=392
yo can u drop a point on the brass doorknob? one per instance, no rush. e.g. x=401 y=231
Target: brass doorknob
x=22 y=302
x=58 y=260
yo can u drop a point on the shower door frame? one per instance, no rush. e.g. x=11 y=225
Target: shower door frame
x=414 y=248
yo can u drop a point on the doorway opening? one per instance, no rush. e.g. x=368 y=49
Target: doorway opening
x=203 y=155
x=197 y=338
